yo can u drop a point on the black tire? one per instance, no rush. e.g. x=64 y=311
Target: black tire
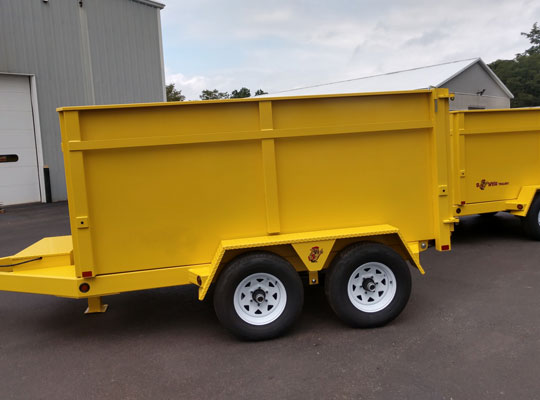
x=241 y=268
x=488 y=215
x=530 y=222
x=342 y=269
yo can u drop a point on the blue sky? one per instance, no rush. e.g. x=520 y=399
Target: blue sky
x=277 y=45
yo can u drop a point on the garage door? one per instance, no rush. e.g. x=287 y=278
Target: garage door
x=19 y=181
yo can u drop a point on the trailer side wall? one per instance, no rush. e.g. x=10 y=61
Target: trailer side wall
x=496 y=154
x=162 y=185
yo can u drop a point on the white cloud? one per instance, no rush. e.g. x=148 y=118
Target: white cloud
x=284 y=44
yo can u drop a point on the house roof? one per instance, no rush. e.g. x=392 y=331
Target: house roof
x=151 y=3
x=416 y=78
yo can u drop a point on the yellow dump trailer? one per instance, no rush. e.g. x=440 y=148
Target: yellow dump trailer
x=245 y=194
x=496 y=163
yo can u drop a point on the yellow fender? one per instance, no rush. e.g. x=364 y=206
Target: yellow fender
x=313 y=248
x=521 y=205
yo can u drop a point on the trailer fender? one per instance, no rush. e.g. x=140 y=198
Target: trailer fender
x=521 y=205
x=314 y=248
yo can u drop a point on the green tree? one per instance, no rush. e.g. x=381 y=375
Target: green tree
x=522 y=74
x=173 y=94
x=239 y=94
x=260 y=92
x=213 y=95
x=534 y=38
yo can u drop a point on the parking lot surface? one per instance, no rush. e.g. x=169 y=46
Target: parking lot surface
x=470 y=331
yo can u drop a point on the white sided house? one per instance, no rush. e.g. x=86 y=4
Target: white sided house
x=473 y=83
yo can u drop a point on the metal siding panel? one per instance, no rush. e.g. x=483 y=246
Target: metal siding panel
x=44 y=39
x=464 y=101
x=34 y=32
x=475 y=79
x=127 y=62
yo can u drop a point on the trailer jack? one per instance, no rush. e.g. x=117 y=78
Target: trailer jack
x=96 y=306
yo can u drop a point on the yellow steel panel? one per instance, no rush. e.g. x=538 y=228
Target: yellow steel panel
x=180 y=121
x=270 y=186
x=269 y=169
x=172 y=206
x=155 y=189
x=506 y=120
x=56 y=281
x=151 y=141
x=216 y=171
x=441 y=170
x=48 y=252
x=265 y=116
x=300 y=237
x=243 y=100
x=78 y=198
x=374 y=109
x=498 y=165
x=497 y=154
x=355 y=180
x=525 y=198
x=62 y=281
x=48 y=246
x=482 y=208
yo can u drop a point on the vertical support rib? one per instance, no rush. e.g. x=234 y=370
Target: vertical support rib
x=443 y=168
x=269 y=169
x=78 y=199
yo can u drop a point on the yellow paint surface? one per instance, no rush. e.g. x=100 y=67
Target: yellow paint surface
x=158 y=192
x=496 y=155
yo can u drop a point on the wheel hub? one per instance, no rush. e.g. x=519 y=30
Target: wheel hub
x=259 y=296
x=372 y=287
x=369 y=285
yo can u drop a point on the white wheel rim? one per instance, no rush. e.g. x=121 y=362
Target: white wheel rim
x=372 y=287
x=538 y=217
x=260 y=299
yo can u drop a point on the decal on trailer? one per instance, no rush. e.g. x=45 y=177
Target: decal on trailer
x=315 y=254
x=483 y=184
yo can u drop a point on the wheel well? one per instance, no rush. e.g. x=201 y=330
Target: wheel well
x=287 y=251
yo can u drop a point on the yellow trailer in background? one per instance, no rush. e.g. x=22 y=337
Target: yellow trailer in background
x=244 y=194
x=496 y=163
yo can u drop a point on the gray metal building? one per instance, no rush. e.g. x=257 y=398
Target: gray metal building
x=67 y=52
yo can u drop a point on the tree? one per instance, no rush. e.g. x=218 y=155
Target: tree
x=235 y=94
x=522 y=74
x=173 y=94
x=239 y=94
x=213 y=95
x=534 y=38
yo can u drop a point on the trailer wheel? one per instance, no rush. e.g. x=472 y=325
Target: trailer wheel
x=258 y=296
x=368 y=285
x=531 y=222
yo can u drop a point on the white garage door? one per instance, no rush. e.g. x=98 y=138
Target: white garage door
x=19 y=182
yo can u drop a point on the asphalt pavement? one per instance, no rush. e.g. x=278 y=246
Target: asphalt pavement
x=470 y=331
